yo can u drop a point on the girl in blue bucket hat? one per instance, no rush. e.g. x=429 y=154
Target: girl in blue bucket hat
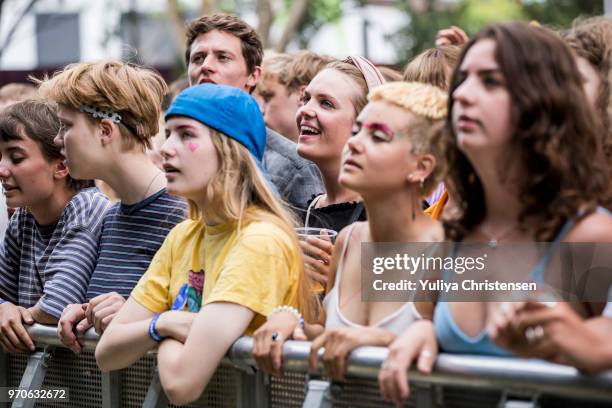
x=221 y=273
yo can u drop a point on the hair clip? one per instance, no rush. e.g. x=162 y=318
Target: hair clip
x=101 y=113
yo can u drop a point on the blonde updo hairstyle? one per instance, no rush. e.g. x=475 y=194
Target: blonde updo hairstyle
x=428 y=106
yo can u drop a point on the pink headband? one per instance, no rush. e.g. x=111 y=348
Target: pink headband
x=372 y=75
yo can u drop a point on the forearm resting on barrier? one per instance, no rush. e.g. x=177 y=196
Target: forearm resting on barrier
x=532 y=377
x=126 y=339
x=186 y=369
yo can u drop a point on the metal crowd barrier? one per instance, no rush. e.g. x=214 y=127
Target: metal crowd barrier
x=459 y=381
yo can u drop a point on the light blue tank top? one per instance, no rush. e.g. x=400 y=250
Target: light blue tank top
x=453 y=340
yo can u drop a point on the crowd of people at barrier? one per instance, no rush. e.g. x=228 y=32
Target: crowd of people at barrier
x=236 y=201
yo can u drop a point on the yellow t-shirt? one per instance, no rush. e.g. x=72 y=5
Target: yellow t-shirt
x=256 y=268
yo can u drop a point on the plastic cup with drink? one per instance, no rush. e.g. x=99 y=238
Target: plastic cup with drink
x=324 y=234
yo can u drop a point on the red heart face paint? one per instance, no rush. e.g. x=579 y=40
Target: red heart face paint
x=192 y=146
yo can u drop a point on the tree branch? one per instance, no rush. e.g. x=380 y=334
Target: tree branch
x=208 y=7
x=12 y=30
x=297 y=15
x=178 y=26
x=265 y=15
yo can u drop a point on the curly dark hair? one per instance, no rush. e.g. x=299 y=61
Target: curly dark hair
x=591 y=39
x=556 y=136
x=252 y=49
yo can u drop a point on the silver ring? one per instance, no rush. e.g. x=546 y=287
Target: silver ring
x=275 y=336
x=426 y=353
x=538 y=332
x=535 y=333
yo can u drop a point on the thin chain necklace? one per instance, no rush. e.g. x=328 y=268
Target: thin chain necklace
x=495 y=239
x=149 y=186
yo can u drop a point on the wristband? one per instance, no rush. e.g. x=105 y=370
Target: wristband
x=291 y=310
x=1 y=301
x=153 y=334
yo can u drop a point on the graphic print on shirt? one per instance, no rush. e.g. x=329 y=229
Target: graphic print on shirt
x=190 y=294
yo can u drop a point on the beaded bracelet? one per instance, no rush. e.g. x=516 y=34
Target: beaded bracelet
x=153 y=334
x=290 y=309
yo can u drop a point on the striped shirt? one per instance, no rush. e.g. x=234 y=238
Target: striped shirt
x=131 y=236
x=51 y=265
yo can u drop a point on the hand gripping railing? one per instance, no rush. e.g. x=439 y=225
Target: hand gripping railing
x=531 y=377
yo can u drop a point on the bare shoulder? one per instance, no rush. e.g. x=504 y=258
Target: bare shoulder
x=357 y=228
x=595 y=227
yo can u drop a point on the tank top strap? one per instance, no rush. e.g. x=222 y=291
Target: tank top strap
x=342 y=254
x=310 y=207
x=537 y=275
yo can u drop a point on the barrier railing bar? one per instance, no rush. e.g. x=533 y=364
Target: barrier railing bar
x=459 y=370
x=263 y=390
x=3 y=374
x=34 y=375
x=156 y=397
x=425 y=395
x=245 y=389
x=317 y=394
x=517 y=404
x=253 y=390
x=111 y=389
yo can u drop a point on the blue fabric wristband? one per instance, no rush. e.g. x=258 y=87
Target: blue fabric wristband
x=153 y=334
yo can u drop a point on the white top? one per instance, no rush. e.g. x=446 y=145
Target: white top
x=397 y=322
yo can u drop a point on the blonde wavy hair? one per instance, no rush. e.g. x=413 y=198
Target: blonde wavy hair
x=433 y=66
x=237 y=186
x=428 y=106
x=302 y=69
x=135 y=93
x=359 y=98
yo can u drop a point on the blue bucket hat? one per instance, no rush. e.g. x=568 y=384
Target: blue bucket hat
x=226 y=109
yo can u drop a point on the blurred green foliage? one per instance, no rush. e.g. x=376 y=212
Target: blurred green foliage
x=472 y=15
x=320 y=12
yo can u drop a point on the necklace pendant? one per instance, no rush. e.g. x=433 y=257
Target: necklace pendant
x=493 y=243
